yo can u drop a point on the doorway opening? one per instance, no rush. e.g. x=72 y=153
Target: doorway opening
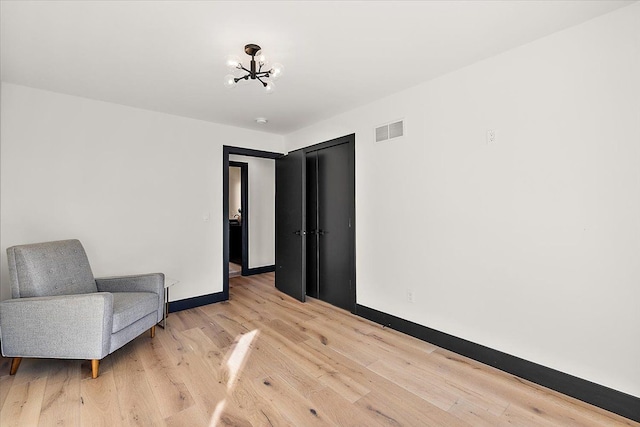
x=238 y=220
x=228 y=151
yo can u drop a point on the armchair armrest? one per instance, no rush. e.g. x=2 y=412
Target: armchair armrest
x=66 y=326
x=152 y=282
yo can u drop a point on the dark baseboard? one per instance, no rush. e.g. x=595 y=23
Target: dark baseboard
x=259 y=270
x=595 y=394
x=194 y=302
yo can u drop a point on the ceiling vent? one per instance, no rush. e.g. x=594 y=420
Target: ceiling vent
x=389 y=131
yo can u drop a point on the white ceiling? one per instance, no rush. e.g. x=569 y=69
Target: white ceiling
x=170 y=56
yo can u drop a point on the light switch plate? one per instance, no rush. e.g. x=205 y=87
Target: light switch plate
x=491 y=136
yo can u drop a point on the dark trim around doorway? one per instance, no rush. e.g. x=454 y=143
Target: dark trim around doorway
x=226 y=152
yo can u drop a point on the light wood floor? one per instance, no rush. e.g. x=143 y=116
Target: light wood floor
x=264 y=359
x=235 y=270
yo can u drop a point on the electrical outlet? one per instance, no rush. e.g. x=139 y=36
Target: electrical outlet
x=410 y=296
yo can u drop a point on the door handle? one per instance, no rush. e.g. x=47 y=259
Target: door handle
x=299 y=233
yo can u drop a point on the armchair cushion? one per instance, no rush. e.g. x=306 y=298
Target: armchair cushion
x=151 y=282
x=129 y=307
x=51 y=268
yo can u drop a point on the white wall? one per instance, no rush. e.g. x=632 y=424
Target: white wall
x=532 y=245
x=235 y=191
x=134 y=186
x=261 y=215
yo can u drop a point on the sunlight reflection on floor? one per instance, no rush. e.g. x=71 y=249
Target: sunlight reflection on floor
x=236 y=358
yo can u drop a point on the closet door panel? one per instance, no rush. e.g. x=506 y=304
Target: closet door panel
x=334 y=234
x=290 y=225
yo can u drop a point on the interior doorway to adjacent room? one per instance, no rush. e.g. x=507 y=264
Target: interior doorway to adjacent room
x=252 y=219
x=237 y=213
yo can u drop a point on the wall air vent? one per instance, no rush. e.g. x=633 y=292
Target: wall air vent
x=389 y=131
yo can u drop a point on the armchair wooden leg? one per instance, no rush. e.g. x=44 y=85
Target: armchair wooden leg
x=153 y=331
x=95 y=364
x=15 y=364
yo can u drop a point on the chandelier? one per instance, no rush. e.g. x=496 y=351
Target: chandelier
x=258 y=69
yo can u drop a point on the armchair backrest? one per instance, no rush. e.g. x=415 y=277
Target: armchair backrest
x=50 y=268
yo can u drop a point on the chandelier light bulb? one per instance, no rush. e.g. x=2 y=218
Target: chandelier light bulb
x=261 y=58
x=276 y=70
x=233 y=62
x=270 y=87
x=230 y=81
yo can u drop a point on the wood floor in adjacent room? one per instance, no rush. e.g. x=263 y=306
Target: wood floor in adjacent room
x=264 y=359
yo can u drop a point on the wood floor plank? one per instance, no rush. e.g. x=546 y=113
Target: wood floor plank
x=61 y=396
x=406 y=409
x=173 y=342
x=412 y=376
x=350 y=370
x=292 y=315
x=443 y=399
x=474 y=415
x=23 y=404
x=191 y=416
x=356 y=349
x=386 y=338
x=216 y=333
x=340 y=410
x=137 y=403
x=99 y=402
x=31 y=370
x=248 y=306
x=187 y=319
x=295 y=407
x=206 y=385
x=344 y=385
x=167 y=386
x=296 y=355
x=379 y=343
x=499 y=386
x=258 y=411
x=6 y=382
x=380 y=386
x=517 y=416
x=138 y=406
x=265 y=360
x=227 y=320
x=276 y=300
x=287 y=330
x=197 y=341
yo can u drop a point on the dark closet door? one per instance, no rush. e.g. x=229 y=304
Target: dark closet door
x=290 y=223
x=335 y=195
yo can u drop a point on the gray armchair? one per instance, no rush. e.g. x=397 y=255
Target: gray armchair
x=59 y=310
